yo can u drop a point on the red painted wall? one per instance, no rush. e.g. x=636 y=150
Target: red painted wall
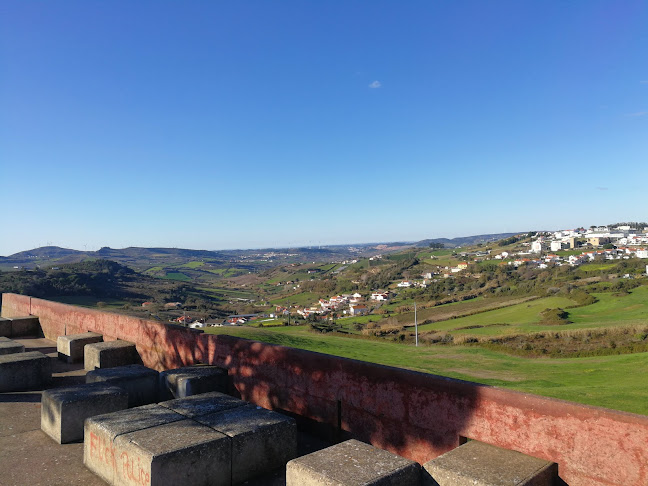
x=416 y=415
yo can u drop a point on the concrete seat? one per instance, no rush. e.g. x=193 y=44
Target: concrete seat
x=5 y=327
x=8 y=346
x=101 y=455
x=20 y=326
x=71 y=347
x=63 y=410
x=192 y=380
x=479 y=464
x=203 y=404
x=139 y=381
x=109 y=354
x=261 y=440
x=352 y=463
x=24 y=371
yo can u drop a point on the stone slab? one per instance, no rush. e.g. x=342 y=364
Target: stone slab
x=64 y=410
x=25 y=326
x=352 y=463
x=24 y=371
x=71 y=347
x=8 y=346
x=192 y=380
x=262 y=440
x=478 y=464
x=109 y=354
x=182 y=452
x=99 y=452
x=5 y=327
x=140 y=382
x=203 y=404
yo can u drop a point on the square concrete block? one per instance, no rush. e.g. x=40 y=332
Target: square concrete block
x=203 y=404
x=109 y=354
x=352 y=463
x=24 y=371
x=71 y=347
x=182 y=452
x=25 y=326
x=63 y=410
x=192 y=380
x=7 y=346
x=262 y=440
x=139 y=381
x=479 y=464
x=99 y=452
x=5 y=327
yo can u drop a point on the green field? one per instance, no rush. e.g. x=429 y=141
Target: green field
x=178 y=276
x=303 y=299
x=619 y=382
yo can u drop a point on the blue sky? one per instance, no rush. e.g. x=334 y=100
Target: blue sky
x=253 y=124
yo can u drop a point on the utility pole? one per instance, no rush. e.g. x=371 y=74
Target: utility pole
x=415 y=323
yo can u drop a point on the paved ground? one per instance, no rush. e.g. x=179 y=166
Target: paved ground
x=29 y=457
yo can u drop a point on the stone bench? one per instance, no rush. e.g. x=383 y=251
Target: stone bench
x=140 y=382
x=5 y=327
x=203 y=404
x=24 y=371
x=20 y=326
x=479 y=464
x=63 y=410
x=352 y=463
x=8 y=346
x=192 y=380
x=101 y=455
x=71 y=347
x=261 y=440
x=109 y=354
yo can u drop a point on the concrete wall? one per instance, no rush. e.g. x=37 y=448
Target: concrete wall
x=416 y=415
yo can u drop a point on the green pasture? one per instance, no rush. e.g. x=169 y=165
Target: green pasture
x=304 y=299
x=181 y=277
x=619 y=382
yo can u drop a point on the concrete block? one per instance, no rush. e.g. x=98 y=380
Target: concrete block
x=109 y=354
x=139 y=381
x=24 y=371
x=182 y=452
x=192 y=380
x=25 y=326
x=71 y=347
x=352 y=463
x=7 y=346
x=63 y=410
x=204 y=404
x=479 y=464
x=5 y=327
x=99 y=452
x=262 y=440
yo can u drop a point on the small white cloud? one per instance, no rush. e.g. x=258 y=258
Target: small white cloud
x=600 y=188
x=639 y=113
x=645 y=81
x=375 y=84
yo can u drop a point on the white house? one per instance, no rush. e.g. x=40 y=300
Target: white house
x=358 y=309
x=405 y=283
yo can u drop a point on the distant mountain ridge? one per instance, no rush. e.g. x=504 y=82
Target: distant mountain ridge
x=467 y=240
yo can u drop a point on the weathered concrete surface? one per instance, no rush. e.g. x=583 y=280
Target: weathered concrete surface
x=192 y=380
x=417 y=415
x=8 y=346
x=25 y=326
x=261 y=440
x=64 y=410
x=24 y=371
x=182 y=452
x=109 y=354
x=5 y=327
x=71 y=347
x=352 y=463
x=99 y=452
x=140 y=382
x=206 y=403
x=479 y=464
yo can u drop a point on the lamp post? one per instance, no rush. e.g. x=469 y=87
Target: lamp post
x=415 y=324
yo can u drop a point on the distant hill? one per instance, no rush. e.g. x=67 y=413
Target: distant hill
x=465 y=240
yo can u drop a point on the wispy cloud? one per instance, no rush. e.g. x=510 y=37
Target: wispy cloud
x=375 y=84
x=644 y=81
x=600 y=188
x=639 y=113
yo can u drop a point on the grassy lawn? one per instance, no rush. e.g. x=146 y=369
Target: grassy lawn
x=618 y=382
x=88 y=301
x=178 y=276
